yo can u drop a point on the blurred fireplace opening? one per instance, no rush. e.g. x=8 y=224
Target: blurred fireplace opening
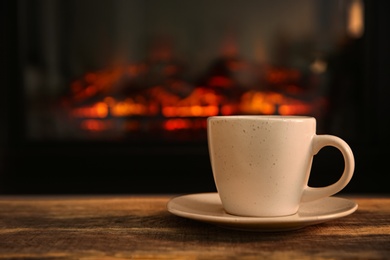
x=92 y=115
x=153 y=100
x=143 y=69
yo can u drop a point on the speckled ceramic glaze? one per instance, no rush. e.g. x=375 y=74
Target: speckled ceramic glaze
x=261 y=164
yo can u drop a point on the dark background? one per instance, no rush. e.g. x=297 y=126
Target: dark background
x=59 y=167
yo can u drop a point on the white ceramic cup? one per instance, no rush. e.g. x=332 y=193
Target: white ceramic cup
x=261 y=164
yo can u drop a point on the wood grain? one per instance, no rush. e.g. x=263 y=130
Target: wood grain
x=140 y=227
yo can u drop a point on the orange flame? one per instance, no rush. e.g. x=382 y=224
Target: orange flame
x=179 y=111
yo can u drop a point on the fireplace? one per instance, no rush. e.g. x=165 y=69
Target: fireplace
x=121 y=101
x=113 y=96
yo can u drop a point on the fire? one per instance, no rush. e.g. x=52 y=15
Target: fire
x=183 y=124
x=129 y=107
x=97 y=110
x=95 y=100
x=268 y=103
x=200 y=103
x=95 y=125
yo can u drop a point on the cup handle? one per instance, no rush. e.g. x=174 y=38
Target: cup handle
x=318 y=142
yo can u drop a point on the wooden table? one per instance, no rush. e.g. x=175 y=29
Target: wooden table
x=140 y=227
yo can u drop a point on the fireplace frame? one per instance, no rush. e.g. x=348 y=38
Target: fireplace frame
x=41 y=167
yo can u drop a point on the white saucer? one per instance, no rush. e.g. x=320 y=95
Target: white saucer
x=207 y=207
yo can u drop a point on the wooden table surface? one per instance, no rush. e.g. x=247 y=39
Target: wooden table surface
x=140 y=227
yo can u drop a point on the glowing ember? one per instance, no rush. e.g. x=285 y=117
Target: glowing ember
x=101 y=97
